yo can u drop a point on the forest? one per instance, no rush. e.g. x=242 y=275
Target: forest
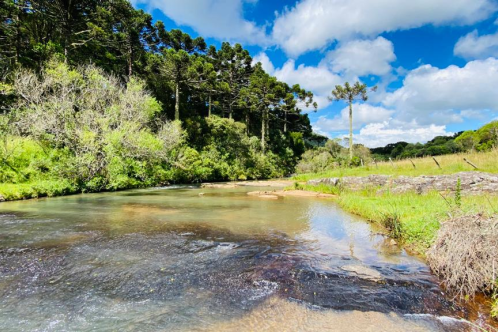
x=96 y=95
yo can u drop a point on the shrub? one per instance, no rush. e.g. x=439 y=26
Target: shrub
x=464 y=254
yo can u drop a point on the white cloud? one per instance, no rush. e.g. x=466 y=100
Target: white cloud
x=430 y=95
x=363 y=114
x=383 y=133
x=312 y=24
x=220 y=19
x=362 y=57
x=473 y=46
x=320 y=80
x=265 y=62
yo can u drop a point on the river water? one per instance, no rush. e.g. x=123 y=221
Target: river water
x=170 y=259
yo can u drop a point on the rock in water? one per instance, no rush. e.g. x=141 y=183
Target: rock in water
x=363 y=272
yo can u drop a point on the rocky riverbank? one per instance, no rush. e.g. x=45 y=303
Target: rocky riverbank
x=470 y=183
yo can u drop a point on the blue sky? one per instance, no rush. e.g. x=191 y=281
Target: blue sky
x=434 y=61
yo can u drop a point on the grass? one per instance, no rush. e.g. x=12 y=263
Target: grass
x=409 y=217
x=45 y=188
x=485 y=161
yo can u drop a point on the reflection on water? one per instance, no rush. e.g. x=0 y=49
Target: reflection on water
x=171 y=259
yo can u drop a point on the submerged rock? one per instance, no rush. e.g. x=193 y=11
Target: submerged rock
x=363 y=272
x=471 y=182
x=285 y=193
x=219 y=185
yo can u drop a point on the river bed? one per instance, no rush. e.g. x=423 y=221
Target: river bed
x=210 y=259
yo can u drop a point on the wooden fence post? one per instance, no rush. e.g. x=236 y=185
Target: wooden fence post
x=470 y=163
x=415 y=167
x=436 y=162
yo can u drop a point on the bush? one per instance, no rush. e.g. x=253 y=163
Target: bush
x=464 y=254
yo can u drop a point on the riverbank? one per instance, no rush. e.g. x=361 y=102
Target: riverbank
x=414 y=217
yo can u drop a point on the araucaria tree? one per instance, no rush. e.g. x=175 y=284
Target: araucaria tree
x=350 y=93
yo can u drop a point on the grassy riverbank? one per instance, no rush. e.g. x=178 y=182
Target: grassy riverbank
x=409 y=217
x=413 y=219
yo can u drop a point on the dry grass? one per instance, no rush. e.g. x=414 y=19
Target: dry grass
x=465 y=254
x=485 y=161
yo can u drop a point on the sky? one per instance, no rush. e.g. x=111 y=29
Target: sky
x=435 y=62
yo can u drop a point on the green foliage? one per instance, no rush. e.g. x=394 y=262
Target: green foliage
x=483 y=139
x=102 y=125
x=458 y=194
x=392 y=222
x=332 y=156
x=349 y=93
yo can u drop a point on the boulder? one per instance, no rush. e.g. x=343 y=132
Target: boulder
x=471 y=183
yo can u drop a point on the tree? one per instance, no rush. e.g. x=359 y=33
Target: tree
x=104 y=125
x=124 y=31
x=180 y=55
x=263 y=94
x=294 y=95
x=235 y=70
x=349 y=94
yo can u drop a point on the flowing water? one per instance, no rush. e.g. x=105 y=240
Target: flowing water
x=169 y=259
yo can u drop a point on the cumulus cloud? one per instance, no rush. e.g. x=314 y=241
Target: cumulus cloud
x=320 y=80
x=383 y=133
x=220 y=19
x=441 y=96
x=473 y=46
x=363 y=114
x=265 y=62
x=362 y=57
x=312 y=24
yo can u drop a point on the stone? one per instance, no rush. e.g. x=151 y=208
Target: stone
x=471 y=183
x=363 y=272
x=2 y=199
x=393 y=242
x=219 y=185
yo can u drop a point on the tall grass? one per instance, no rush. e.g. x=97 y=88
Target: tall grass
x=485 y=161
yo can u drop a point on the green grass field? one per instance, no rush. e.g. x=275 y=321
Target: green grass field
x=485 y=161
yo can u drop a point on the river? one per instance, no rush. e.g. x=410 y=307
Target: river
x=192 y=259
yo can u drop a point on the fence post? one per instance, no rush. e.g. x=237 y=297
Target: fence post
x=436 y=162
x=413 y=164
x=470 y=163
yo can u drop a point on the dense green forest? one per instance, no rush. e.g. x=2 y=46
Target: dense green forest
x=95 y=95
x=482 y=139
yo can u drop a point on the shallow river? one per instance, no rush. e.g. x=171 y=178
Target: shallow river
x=169 y=259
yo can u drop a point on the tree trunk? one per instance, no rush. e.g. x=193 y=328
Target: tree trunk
x=247 y=122
x=130 y=58
x=209 y=106
x=230 y=111
x=285 y=121
x=263 y=128
x=177 y=102
x=350 y=130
